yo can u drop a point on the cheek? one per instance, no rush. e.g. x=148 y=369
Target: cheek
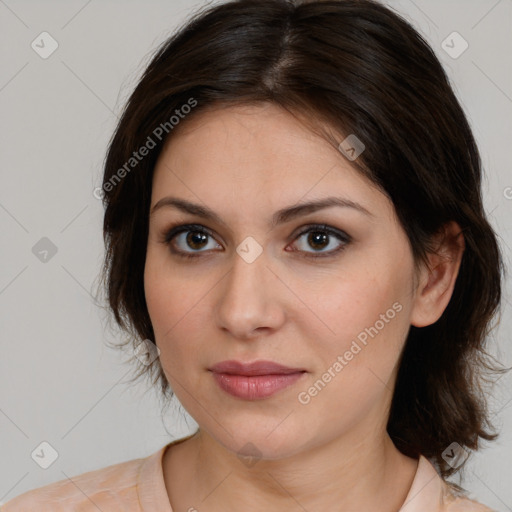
x=358 y=302
x=175 y=303
x=164 y=307
x=367 y=311
x=169 y=294
x=354 y=369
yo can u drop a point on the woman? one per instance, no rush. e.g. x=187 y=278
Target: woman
x=294 y=227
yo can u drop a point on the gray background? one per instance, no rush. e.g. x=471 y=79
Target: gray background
x=60 y=383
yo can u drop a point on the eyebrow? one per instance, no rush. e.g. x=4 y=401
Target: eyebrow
x=280 y=217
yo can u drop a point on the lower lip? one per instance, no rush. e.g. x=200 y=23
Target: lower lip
x=255 y=387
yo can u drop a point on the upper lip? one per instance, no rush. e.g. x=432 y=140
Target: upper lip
x=255 y=368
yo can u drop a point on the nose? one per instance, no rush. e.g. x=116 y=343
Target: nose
x=250 y=301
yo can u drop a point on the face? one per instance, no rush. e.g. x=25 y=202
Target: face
x=326 y=292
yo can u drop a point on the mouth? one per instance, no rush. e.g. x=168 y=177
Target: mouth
x=254 y=381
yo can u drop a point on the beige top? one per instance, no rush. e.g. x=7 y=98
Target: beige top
x=138 y=486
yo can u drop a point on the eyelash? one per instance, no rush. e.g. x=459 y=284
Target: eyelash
x=175 y=230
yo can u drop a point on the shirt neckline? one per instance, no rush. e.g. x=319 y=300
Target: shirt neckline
x=151 y=488
x=426 y=489
x=424 y=494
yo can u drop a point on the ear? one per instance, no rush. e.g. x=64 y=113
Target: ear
x=437 y=280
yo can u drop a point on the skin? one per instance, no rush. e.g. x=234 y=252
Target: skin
x=333 y=453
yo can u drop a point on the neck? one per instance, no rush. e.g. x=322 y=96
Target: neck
x=361 y=470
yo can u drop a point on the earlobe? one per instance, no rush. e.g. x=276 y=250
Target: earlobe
x=437 y=281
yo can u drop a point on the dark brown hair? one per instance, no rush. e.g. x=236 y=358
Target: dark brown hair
x=359 y=68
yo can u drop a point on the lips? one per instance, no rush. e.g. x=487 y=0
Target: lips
x=254 y=381
x=251 y=369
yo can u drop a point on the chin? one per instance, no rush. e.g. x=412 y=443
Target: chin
x=269 y=441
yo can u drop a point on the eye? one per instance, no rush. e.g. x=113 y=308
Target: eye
x=321 y=236
x=196 y=238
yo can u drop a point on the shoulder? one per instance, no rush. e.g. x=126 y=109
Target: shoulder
x=431 y=492
x=110 y=488
x=456 y=500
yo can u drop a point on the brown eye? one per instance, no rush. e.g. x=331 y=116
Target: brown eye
x=317 y=240
x=322 y=237
x=189 y=241
x=196 y=239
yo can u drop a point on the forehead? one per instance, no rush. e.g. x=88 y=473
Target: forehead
x=259 y=155
x=250 y=134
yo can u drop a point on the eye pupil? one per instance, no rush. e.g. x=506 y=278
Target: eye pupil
x=316 y=237
x=195 y=238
